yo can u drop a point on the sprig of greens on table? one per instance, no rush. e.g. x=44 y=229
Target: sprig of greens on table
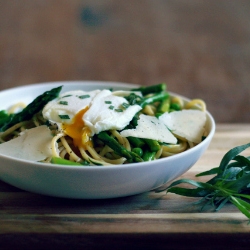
x=231 y=183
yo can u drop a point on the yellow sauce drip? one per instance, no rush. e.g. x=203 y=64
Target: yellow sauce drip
x=78 y=131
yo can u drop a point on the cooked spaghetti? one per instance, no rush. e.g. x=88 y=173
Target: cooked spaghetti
x=87 y=135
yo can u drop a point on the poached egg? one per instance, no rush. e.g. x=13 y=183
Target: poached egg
x=83 y=114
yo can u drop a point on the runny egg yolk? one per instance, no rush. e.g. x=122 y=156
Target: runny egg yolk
x=78 y=131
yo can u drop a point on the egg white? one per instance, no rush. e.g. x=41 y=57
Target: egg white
x=67 y=105
x=82 y=114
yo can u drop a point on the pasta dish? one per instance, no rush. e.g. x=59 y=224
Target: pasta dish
x=103 y=126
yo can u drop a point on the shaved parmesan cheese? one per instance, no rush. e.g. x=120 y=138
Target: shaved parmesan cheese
x=33 y=144
x=149 y=127
x=189 y=124
x=108 y=111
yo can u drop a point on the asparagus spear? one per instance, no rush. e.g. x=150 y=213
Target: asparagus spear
x=119 y=149
x=153 y=145
x=155 y=98
x=158 y=91
x=34 y=107
x=148 y=156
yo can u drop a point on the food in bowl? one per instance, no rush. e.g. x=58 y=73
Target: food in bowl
x=102 y=127
x=91 y=181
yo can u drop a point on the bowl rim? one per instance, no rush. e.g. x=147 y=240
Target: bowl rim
x=15 y=160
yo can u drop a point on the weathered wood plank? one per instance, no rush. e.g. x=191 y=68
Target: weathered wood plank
x=126 y=223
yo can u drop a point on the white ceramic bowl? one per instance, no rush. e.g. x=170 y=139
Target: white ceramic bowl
x=92 y=182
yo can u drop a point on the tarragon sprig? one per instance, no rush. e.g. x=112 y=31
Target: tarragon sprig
x=231 y=183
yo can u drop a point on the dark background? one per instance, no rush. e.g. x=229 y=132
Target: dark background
x=200 y=48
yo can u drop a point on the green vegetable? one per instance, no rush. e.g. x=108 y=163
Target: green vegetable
x=4 y=117
x=3 y=114
x=31 y=109
x=231 y=183
x=136 y=142
x=133 y=99
x=153 y=145
x=152 y=89
x=138 y=151
x=64 y=117
x=119 y=149
x=148 y=156
x=63 y=103
x=158 y=92
x=163 y=107
x=61 y=161
x=66 y=96
x=119 y=110
x=175 y=107
x=83 y=96
x=154 y=98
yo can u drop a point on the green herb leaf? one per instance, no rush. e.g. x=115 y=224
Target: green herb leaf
x=230 y=155
x=66 y=96
x=125 y=105
x=119 y=110
x=231 y=183
x=63 y=102
x=83 y=96
x=64 y=117
x=241 y=205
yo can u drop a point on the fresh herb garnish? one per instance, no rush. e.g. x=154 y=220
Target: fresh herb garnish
x=125 y=105
x=64 y=117
x=63 y=102
x=133 y=99
x=108 y=102
x=66 y=96
x=111 y=107
x=119 y=110
x=231 y=183
x=83 y=96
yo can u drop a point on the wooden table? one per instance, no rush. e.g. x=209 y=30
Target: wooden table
x=150 y=220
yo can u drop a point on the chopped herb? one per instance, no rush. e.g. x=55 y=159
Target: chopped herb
x=65 y=117
x=133 y=99
x=83 y=96
x=119 y=110
x=66 y=96
x=63 y=102
x=108 y=102
x=111 y=107
x=125 y=105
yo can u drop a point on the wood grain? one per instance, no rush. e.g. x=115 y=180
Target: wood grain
x=199 y=48
x=150 y=220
